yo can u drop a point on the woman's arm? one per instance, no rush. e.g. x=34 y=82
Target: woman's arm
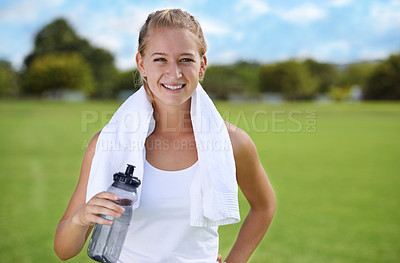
x=255 y=186
x=79 y=217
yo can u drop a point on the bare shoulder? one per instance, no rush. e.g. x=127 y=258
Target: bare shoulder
x=90 y=150
x=243 y=146
x=250 y=174
x=87 y=159
x=79 y=196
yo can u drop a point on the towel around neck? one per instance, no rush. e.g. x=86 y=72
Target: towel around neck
x=213 y=193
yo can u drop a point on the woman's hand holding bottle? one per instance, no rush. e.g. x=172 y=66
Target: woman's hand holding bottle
x=103 y=203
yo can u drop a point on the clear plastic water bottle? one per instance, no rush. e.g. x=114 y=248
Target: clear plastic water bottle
x=107 y=240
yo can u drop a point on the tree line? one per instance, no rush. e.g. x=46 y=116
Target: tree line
x=62 y=60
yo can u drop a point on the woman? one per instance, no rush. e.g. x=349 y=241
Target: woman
x=171 y=60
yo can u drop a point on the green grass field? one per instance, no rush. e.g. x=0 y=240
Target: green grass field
x=335 y=169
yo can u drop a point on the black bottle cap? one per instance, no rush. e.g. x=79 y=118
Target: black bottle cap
x=126 y=180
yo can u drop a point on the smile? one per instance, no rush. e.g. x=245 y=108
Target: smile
x=173 y=87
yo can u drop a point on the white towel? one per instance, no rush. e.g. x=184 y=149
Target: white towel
x=213 y=194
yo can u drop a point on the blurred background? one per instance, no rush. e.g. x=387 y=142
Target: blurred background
x=315 y=84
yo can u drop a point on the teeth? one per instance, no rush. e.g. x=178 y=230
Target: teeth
x=173 y=87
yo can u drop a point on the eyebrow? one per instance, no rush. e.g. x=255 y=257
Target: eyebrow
x=158 y=54
x=164 y=54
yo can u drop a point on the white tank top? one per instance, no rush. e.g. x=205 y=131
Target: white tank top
x=160 y=231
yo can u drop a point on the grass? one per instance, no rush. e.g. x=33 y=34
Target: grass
x=334 y=169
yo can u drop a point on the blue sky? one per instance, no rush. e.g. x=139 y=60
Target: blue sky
x=338 y=31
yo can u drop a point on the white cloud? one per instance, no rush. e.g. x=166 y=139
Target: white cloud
x=306 y=53
x=385 y=16
x=212 y=27
x=26 y=11
x=18 y=60
x=18 y=12
x=225 y=57
x=119 y=32
x=255 y=7
x=369 y=54
x=108 y=41
x=125 y=62
x=116 y=33
x=336 y=51
x=131 y=20
x=339 y=3
x=303 y=14
x=238 y=36
x=333 y=51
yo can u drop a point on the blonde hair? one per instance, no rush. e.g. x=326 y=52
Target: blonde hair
x=170 y=18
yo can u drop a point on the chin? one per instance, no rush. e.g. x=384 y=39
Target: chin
x=176 y=103
x=172 y=101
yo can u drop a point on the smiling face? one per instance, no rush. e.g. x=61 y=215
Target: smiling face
x=172 y=65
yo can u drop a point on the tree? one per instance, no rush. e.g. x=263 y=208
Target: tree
x=221 y=81
x=56 y=37
x=104 y=72
x=326 y=74
x=127 y=80
x=268 y=80
x=60 y=37
x=8 y=80
x=62 y=71
x=384 y=82
x=290 y=78
x=248 y=72
x=356 y=74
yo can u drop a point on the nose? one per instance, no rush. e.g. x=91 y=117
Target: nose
x=174 y=71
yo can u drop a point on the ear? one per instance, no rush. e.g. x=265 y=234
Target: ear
x=140 y=65
x=203 y=65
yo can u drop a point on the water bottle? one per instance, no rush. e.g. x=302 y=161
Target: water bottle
x=107 y=240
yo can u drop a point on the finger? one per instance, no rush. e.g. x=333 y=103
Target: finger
x=107 y=195
x=219 y=258
x=102 y=210
x=100 y=220
x=106 y=203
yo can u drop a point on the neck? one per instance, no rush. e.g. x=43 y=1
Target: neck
x=172 y=119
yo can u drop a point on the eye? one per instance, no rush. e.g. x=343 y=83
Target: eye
x=160 y=59
x=187 y=60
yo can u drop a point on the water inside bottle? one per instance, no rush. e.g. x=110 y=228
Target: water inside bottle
x=110 y=239
x=117 y=235
x=124 y=202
